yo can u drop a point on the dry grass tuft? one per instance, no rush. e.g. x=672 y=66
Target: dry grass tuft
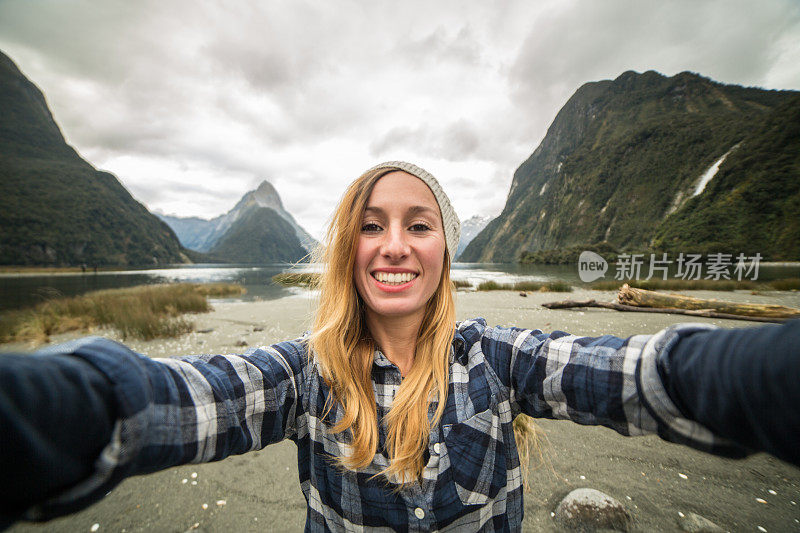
x=296 y=279
x=536 y=286
x=144 y=312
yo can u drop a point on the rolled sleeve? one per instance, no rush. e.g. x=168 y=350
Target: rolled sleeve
x=672 y=423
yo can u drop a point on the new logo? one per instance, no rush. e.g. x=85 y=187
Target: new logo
x=591 y=266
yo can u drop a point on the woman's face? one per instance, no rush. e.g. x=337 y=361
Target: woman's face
x=401 y=247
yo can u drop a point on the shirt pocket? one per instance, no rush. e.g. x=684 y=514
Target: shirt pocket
x=476 y=456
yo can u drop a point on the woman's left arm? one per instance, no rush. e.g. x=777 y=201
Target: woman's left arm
x=728 y=392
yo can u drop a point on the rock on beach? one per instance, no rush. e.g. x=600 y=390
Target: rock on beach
x=694 y=523
x=588 y=509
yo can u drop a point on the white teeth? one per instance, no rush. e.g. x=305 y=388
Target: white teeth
x=394 y=279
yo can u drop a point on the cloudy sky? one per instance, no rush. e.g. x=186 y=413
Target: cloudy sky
x=191 y=103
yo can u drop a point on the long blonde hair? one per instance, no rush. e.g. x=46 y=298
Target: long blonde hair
x=342 y=345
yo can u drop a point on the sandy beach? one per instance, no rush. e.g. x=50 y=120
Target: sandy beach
x=655 y=480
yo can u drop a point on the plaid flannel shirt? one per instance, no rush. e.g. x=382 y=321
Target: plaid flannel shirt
x=204 y=408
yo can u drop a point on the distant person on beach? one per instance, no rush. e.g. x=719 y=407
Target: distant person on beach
x=402 y=417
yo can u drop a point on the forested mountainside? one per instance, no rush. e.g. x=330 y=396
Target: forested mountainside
x=752 y=205
x=623 y=159
x=260 y=235
x=55 y=208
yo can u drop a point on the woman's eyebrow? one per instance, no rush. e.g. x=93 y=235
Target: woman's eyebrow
x=425 y=210
x=413 y=210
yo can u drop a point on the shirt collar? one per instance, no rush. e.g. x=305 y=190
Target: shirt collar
x=381 y=360
x=457 y=353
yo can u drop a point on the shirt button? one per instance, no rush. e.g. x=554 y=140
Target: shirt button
x=436 y=448
x=419 y=513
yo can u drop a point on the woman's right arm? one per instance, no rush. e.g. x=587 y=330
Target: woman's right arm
x=147 y=414
x=728 y=392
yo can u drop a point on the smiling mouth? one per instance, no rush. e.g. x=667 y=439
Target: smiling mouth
x=394 y=279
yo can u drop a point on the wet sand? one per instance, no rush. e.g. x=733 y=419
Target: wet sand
x=655 y=480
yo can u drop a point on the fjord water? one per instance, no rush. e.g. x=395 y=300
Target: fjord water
x=25 y=290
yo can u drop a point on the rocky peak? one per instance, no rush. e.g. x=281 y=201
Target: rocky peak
x=266 y=196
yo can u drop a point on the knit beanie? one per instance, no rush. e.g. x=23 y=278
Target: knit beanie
x=452 y=226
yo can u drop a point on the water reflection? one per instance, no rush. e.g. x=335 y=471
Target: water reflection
x=24 y=290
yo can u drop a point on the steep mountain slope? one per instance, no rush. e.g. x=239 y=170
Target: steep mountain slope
x=618 y=158
x=260 y=235
x=191 y=231
x=203 y=235
x=55 y=208
x=752 y=204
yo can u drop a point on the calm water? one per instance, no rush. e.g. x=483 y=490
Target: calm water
x=24 y=290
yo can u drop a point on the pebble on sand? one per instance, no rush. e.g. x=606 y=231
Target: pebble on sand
x=762 y=529
x=683 y=476
x=205 y=506
x=761 y=500
x=590 y=509
x=694 y=523
x=184 y=481
x=94 y=527
x=220 y=503
x=194 y=475
x=772 y=492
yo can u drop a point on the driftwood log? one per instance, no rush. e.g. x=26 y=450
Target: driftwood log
x=643 y=298
x=673 y=304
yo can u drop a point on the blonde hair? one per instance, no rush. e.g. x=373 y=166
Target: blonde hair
x=342 y=345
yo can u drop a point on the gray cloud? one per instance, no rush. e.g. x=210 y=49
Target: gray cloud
x=456 y=141
x=191 y=103
x=731 y=41
x=442 y=46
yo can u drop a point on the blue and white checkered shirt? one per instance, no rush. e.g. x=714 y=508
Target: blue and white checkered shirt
x=204 y=408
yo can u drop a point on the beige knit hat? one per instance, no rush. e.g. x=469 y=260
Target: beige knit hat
x=452 y=226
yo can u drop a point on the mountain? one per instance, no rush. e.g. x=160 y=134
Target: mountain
x=55 y=208
x=191 y=231
x=469 y=229
x=623 y=158
x=260 y=217
x=260 y=235
x=752 y=204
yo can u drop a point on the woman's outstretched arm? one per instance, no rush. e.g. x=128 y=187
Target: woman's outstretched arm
x=728 y=392
x=143 y=415
x=742 y=384
x=56 y=416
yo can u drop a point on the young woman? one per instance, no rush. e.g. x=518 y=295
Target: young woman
x=403 y=419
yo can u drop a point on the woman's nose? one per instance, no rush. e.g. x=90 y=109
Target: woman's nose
x=395 y=244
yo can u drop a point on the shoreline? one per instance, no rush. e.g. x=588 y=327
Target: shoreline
x=655 y=480
x=39 y=269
